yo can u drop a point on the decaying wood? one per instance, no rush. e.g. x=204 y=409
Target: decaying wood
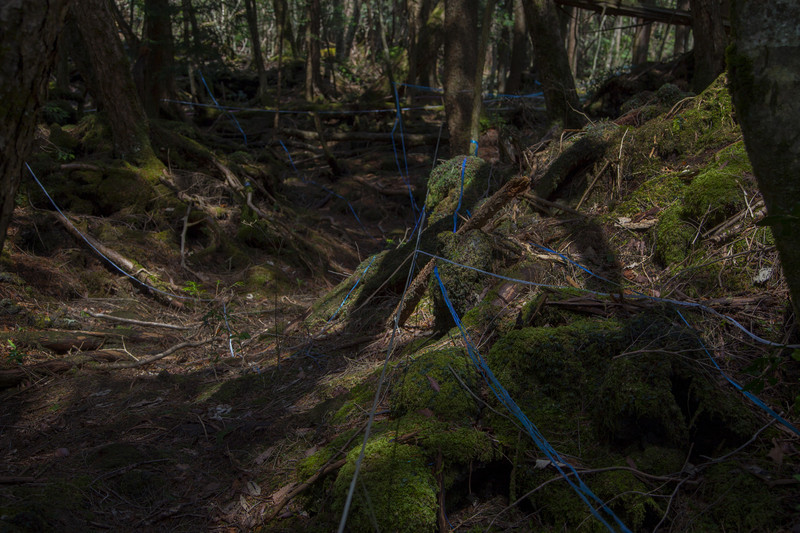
x=156 y=357
x=482 y=216
x=137 y=322
x=145 y=279
x=544 y=205
x=643 y=12
x=627 y=223
x=300 y=487
x=408 y=138
x=734 y=224
x=14 y=376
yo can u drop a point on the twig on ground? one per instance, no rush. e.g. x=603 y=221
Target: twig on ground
x=156 y=357
x=137 y=322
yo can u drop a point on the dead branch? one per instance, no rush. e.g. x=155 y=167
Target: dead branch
x=117 y=260
x=409 y=138
x=137 y=322
x=14 y=376
x=541 y=204
x=156 y=357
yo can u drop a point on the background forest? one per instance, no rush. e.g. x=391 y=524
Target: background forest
x=409 y=265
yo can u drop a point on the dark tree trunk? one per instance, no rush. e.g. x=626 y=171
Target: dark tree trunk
x=572 y=39
x=681 y=32
x=154 y=69
x=419 y=11
x=480 y=59
x=641 y=43
x=460 y=52
x=130 y=37
x=110 y=80
x=764 y=65
x=352 y=26
x=519 y=50
x=30 y=30
x=313 y=74
x=709 y=42
x=252 y=24
x=558 y=84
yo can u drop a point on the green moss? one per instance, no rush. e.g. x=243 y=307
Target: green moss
x=635 y=402
x=397 y=491
x=732 y=500
x=463 y=286
x=262 y=277
x=712 y=196
x=427 y=382
x=444 y=186
x=659 y=191
x=94 y=133
x=673 y=236
x=329 y=305
x=458 y=445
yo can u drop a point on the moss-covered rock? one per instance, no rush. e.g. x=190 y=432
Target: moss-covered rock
x=399 y=487
x=605 y=390
x=428 y=382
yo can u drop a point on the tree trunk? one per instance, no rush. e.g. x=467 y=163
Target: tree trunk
x=709 y=42
x=252 y=24
x=572 y=39
x=419 y=11
x=641 y=42
x=613 y=50
x=312 y=50
x=110 y=80
x=764 y=65
x=681 y=32
x=480 y=58
x=154 y=69
x=460 y=52
x=519 y=50
x=28 y=44
x=131 y=38
x=352 y=26
x=558 y=84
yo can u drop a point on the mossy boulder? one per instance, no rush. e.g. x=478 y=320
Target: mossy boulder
x=399 y=484
x=605 y=390
x=428 y=383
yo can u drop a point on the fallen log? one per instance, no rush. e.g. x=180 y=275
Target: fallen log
x=513 y=188
x=409 y=138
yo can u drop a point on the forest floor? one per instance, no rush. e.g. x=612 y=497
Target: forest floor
x=252 y=372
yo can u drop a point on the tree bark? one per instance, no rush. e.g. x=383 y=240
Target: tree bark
x=709 y=42
x=460 y=53
x=30 y=30
x=764 y=65
x=480 y=59
x=252 y=24
x=313 y=76
x=558 y=84
x=641 y=42
x=154 y=68
x=110 y=80
x=519 y=50
x=681 y=32
x=572 y=39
